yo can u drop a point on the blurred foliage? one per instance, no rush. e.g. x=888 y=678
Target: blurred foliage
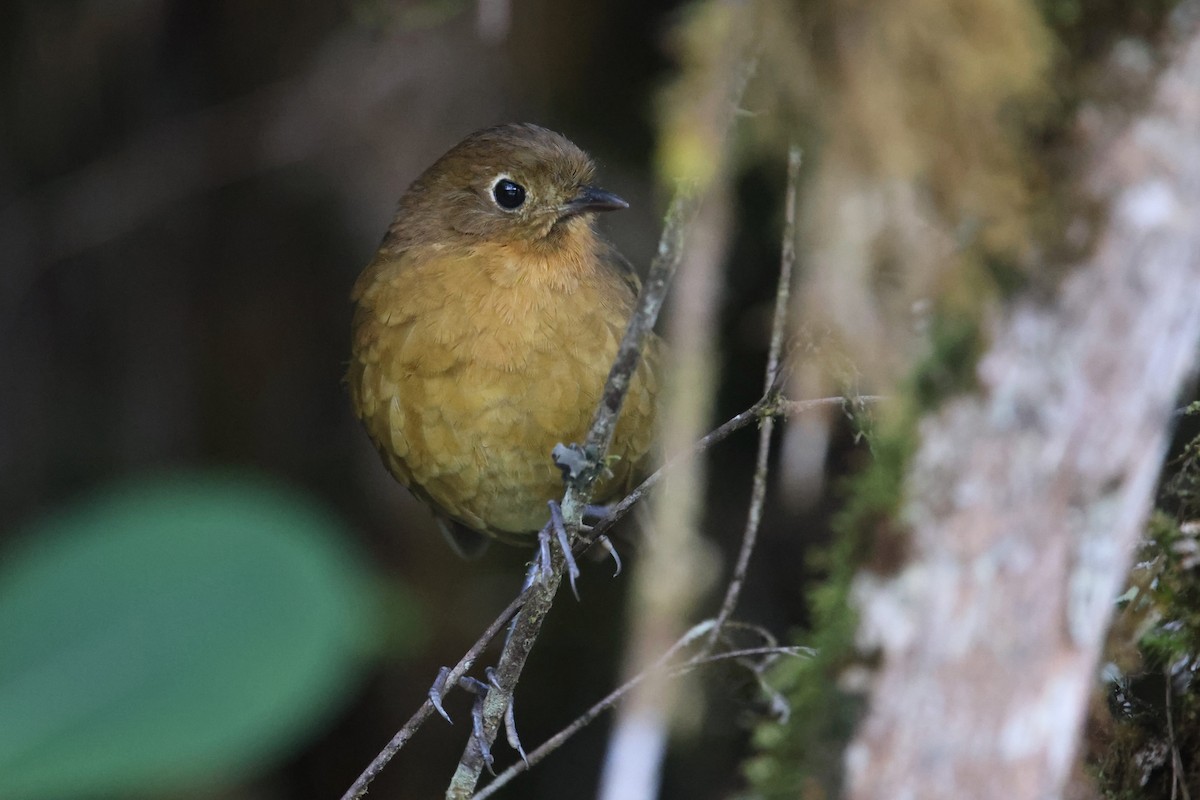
x=173 y=632
x=1144 y=735
x=713 y=46
x=916 y=119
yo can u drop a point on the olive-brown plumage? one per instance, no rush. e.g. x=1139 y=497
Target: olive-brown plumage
x=485 y=328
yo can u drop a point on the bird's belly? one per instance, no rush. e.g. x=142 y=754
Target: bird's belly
x=467 y=387
x=480 y=439
x=475 y=429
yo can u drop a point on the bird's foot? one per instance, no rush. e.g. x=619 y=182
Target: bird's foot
x=556 y=530
x=480 y=691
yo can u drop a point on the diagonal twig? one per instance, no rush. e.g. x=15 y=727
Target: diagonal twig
x=359 y=787
x=766 y=407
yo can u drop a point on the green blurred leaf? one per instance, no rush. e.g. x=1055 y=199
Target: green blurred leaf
x=173 y=631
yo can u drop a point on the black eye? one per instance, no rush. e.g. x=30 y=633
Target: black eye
x=508 y=194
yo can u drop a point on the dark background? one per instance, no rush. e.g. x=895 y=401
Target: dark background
x=187 y=192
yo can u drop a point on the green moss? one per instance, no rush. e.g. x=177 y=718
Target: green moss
x=1145 y=740
x=956 y=344
x=1181 y=489
x=1088 y=36
x=802 y=757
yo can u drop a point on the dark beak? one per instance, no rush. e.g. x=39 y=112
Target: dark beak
x=593 y=198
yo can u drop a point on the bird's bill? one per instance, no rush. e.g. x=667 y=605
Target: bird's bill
x=593 y=198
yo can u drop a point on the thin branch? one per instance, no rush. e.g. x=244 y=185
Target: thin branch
x=787 y=264
x=763 y=409
x=528 y=622
x=359 y=787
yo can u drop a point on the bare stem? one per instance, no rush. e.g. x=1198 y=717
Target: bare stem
x=787 y=264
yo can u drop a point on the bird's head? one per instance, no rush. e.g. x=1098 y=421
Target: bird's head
x=517 y=183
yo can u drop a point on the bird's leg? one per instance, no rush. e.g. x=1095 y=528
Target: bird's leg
x=539 y=570
x=556 y=528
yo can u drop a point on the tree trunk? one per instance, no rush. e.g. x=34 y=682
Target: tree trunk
x=1026 y=502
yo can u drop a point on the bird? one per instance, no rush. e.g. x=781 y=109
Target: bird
x=483 y=332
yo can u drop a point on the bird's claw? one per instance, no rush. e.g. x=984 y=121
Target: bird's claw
x=480 y=690
x=599 y=512
x=510 y=720
x=556 y=528
x=437 y=690
x=606 y=544
x=510 y=731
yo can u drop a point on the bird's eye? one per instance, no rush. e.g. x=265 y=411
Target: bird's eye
x=509 y=195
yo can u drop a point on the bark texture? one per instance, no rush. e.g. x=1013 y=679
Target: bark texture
x=1026 y=502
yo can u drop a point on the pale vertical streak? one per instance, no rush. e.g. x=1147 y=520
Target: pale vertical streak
x=674 y=568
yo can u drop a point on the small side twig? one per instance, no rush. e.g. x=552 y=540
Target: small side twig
x=787 y=264
x=612 y=698
x=766 y=407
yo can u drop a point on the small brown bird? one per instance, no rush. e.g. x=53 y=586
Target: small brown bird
x=484 y=331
